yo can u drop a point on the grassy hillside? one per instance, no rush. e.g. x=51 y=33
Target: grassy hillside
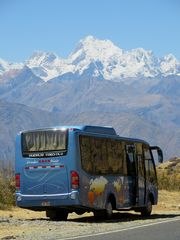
x=169 y=175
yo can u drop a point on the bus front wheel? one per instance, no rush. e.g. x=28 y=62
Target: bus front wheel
x=146 y=211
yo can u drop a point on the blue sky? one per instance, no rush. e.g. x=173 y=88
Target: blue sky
x=58 y=25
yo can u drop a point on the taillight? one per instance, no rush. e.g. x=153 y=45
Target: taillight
x=17 y=179
x=74 y=180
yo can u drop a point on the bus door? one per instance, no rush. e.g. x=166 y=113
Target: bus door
x=132 y=173
x=141 y=179
x=151 y=177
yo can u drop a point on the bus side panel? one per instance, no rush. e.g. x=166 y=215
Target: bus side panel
x=95 y=191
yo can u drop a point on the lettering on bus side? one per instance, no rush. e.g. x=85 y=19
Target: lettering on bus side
x=44 y=154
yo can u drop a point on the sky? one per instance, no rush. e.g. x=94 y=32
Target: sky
x=58 y=25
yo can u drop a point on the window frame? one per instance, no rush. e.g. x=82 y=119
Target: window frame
x=45 y=153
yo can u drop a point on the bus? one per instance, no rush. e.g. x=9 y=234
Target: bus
x=84 y=169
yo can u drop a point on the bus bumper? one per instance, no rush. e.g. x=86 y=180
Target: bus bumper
x=47 y=200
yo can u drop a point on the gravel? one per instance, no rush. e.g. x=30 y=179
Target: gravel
x=43 y=228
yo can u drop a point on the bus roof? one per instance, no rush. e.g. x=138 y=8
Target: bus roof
x=102 y=130
x=85 y=128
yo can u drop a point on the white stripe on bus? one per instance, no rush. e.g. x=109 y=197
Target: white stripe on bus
x=40 y=167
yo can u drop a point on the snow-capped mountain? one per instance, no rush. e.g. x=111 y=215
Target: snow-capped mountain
x=169 y=65
x=108 y=60
x=111 y=61
x=48 y=65
x=6 y=67
x=116 y=63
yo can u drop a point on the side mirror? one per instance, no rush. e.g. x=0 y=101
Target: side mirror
x=159 y=152
x=160 y=156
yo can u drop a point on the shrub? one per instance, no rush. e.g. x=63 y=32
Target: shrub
x=169 y=175
x=170 y=182
x=7 y=186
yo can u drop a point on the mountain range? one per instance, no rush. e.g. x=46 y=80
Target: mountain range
x=108 y=60
x=100 y=84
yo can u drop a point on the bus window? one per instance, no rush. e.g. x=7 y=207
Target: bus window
x=152 y=174
x=44 y=142
x=105 y=164
x=101 y=156
x=86 y=154
x=149 y=164
x=124 y=159
x=115 y=156
x=96 y=155
x=139 y=153
x=130 y=156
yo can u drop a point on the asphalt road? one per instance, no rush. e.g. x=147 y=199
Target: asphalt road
x=162 y=230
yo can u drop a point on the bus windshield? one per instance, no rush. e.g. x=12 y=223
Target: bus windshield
x=44 y=141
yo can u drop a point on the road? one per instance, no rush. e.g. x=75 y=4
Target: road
x=162 y=230
x=125 y=226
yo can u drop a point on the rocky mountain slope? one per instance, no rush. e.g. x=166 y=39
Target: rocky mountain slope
x=171 y=166
x=99 y=83
x=15 y=118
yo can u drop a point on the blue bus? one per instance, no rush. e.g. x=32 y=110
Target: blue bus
x=84 y=169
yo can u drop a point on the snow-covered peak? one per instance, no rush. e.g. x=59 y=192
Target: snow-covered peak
x=116 y=62
x=140 y=62
x=40 y=58
x=141 y=54
x=47 y=65
x=94 y=49
x=4 y=66
x=170 y=65
x=93 y=45
x=170 y=58
x=7 y=66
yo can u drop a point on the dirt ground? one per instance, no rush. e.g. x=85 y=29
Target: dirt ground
x=25 y=224
x=168 y=201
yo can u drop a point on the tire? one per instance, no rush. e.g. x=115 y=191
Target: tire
x=146 y=211
x=99 y=214
x=57 y=215
x=104 y=214
x=109 y=210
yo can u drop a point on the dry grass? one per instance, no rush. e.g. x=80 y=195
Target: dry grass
x=169 y=175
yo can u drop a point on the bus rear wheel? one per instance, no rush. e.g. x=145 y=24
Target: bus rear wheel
x=57 y=214
x=106 y=213
x=109 y=210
